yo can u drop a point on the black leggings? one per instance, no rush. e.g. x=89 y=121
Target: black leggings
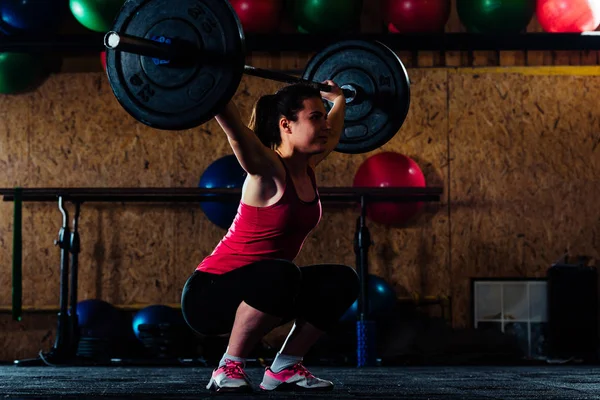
x=318 y=294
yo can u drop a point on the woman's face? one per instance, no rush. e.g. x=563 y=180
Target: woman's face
x=310 y=133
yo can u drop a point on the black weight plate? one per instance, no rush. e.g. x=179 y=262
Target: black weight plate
x=167 y=97
x=383 y=99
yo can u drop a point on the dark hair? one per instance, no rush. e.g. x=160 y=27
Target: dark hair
x=287 y=102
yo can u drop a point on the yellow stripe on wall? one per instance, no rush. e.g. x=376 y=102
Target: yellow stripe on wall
x=591 y=70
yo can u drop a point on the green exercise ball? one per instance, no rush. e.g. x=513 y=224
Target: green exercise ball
x=20 y=72
x=495 y=16
x=96 y=15
x=326 y=16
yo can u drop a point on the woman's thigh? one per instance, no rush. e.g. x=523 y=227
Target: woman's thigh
x=210 y=301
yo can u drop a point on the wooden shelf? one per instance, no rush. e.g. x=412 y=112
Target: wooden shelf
x=94 y=43
x=432 y=42
x=182 y=195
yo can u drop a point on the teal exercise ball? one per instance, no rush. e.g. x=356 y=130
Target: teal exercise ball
x=156 y=315
x=326 y=16
x=495 y=16
x=382 y=299
x=20 y=72
x=96 y=15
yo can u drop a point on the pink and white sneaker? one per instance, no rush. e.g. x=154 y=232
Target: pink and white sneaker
x=294 y=378
x=229 y=378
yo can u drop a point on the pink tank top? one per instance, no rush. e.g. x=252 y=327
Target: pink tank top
x=277 y=231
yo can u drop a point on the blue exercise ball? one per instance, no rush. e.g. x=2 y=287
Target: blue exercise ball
x=382 y=299
x=156 y=315
x=224 y=173
x=31 y=16
x=99 y=319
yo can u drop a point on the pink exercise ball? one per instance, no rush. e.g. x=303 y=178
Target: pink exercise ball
x=390 y=169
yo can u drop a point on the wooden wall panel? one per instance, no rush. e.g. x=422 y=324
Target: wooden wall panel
x=524 y=175
x=516 y=154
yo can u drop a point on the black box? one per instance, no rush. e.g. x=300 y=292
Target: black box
x=573 y=312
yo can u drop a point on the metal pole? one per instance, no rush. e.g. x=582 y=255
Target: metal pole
x=61 y=349
x=285 y=78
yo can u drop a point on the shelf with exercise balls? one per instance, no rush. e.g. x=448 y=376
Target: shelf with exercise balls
x=223 y=173
x=568 y=16
x=495 y=16
x=416 y=16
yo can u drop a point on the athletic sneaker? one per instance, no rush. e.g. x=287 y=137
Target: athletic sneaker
x=296 y=377
x=229 y=378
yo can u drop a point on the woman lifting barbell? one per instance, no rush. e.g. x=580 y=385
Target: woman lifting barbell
x=249 y=284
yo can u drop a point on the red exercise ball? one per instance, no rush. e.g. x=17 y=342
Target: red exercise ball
x=568 y=15
x=416 y=16
x=103 y=59
x=258 y=16
x=390 y=169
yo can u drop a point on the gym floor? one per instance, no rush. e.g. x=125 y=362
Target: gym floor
x=473 y=382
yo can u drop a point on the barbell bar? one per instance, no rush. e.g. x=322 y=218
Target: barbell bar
x=176 y=63
x=167 y=51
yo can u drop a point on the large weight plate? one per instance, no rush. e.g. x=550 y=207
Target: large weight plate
x=382 y=104
x=175 y=98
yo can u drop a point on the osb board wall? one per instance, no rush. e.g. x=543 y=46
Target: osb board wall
x=522 y=188
x=525 y=175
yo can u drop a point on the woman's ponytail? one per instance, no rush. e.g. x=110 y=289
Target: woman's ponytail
x=265 y=121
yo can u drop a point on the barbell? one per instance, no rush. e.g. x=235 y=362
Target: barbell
x=174 y=64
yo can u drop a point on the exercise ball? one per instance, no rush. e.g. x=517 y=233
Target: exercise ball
x=99 y=319
x=258 y=16
x=325 y=16
x=20 y=72
x=96 y=15
x=568 y=15
x=495 y=16
x=389 y=169
x=382 y=299
x=225 y=173
x=416 y=16
x=30 y=17
x=156 y=315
